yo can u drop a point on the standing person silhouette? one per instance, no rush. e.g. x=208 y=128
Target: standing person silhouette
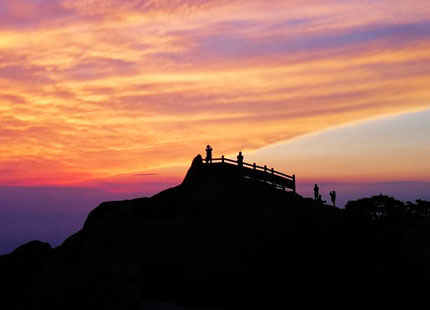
x=316 y=192
x=209 y=154
x=240 y=159
x=333 y=198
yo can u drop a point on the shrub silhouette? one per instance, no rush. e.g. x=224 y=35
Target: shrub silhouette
x=382 y=207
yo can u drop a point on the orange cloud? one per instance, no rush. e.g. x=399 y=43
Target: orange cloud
x=90 y=89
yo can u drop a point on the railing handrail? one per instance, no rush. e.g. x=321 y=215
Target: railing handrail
x=263 y=168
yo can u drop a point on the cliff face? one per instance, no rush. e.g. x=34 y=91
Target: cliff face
x=222 y=241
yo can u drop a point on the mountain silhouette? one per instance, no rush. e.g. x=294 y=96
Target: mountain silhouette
x=222 y=241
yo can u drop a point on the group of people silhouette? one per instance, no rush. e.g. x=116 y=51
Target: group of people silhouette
x=318 y=197
x=209 y=150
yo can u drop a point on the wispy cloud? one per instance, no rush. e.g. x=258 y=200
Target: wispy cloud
x=96 y=88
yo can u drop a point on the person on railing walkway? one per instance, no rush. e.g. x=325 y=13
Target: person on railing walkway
x=333 y=198
x=209 y=154
x=316 y=192
x=240 y=159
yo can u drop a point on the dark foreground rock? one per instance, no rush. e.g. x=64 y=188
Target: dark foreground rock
x=19 y=271
x=220 y=241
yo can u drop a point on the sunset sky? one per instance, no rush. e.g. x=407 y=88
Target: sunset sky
x=111 y=99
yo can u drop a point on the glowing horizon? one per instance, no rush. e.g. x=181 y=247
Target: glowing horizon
x=90 y=90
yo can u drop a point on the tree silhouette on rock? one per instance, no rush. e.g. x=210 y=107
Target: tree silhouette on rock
x=385 y=207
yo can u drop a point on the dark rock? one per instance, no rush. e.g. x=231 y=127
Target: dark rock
x=222 y=241
x=19 y=270
x=195 y=170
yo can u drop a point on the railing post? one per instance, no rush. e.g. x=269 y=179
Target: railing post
x=254 y=166
x=222 y=158
x=273 y=181
x=294 y=183
x=265 y=171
